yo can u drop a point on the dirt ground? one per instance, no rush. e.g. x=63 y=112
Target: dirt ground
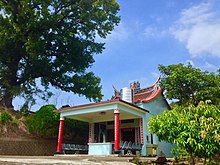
x=64 y=160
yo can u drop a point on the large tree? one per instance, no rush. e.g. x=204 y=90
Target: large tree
x=52 y=41
x=193 y=128
x=186 y=84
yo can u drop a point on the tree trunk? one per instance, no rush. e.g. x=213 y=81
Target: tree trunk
x=7 y=100
x=204 y=163
x=191 y=159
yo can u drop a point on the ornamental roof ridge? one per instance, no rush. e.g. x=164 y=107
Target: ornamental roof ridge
x=151 y=88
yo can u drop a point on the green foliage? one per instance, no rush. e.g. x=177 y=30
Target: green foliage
x=5 y=118
x=53 y=42
x=45 y=122
x=193 y=128
x=77 y=127
x=136 y=160
x=189 y=85
x=179 y=154
x=24 y=109
x=15 y=122
x=215 y=160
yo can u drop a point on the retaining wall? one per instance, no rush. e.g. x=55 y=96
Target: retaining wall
x=27 y=147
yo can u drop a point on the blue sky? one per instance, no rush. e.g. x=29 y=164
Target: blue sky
x=151 y=33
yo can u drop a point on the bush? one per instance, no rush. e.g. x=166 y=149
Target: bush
x=5 y=118
x=15 y=122
x=44 y=122
x=179 y=154
x=24 y=109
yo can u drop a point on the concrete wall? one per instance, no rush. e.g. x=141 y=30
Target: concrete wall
x=27 y=147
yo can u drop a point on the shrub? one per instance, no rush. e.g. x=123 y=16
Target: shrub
x=45 y=122
x=5 y=118
x=24 y=109
x=15 y=122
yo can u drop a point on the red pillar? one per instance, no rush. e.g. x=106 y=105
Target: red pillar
x=60 y=135
x=90 y=133
x=141 y=131
x=116 y=130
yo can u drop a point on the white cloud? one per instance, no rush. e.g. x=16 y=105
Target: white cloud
x=199 y=29
x=149 y=32
x=204 y=65
x=119 y=33
x=210 y=67
x=154 y=32
x=138 y=24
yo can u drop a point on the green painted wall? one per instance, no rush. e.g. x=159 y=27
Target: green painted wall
x=155 y=107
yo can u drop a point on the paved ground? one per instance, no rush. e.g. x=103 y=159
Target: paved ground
x=64 y=160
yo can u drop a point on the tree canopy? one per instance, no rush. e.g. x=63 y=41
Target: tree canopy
x=45 y=123
x=193 y=128
x=54 y=42
x=190 y=85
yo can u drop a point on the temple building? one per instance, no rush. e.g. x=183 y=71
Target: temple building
x=119 y=125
